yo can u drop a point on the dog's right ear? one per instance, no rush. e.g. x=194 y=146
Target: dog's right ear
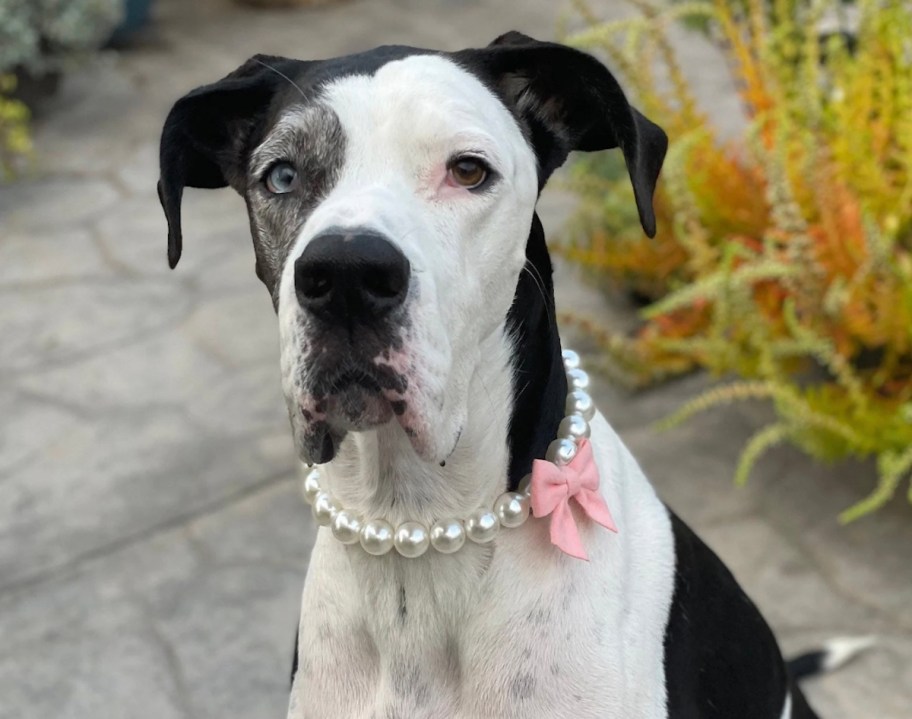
x=568 y=101
x=210 y=132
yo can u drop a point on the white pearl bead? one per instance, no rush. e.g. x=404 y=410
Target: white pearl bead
x=411 y=539
x=525 y=485
x=448 y=536
x=377 y=537
x=482 y=526
x=311 y=486
x=577 y=379
x=512 y=509
x=324 y=509
x=571 y=359
x=346 y=526
x=574 y=427
x=578 y=402
x=561 y=451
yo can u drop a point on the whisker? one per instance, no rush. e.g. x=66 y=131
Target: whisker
x=533 y=272
x=406 y=234
x=492 y=415
x=280 y=74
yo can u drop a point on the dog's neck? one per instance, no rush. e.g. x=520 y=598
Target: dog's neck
x=516 y=402
x=379 y=475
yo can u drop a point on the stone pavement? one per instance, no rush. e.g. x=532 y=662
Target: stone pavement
x=152 y=543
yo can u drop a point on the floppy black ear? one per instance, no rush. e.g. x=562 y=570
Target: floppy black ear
x=210 y=131
x=570 y=101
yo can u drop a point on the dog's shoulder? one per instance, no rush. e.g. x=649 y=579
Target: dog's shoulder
x=720 y=654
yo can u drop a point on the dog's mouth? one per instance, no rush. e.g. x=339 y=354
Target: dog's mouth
x=345 y=395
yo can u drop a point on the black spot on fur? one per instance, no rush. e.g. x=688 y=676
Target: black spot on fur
x=539 y=617
x=403 y=609
x=522 y=687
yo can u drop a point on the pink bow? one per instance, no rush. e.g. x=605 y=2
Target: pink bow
x=552 y=489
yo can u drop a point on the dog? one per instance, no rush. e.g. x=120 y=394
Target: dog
x=391 y=197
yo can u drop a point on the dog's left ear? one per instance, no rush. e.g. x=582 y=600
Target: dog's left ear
x=570 y=101
x=209 y=132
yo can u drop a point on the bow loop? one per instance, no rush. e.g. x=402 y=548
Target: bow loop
x=552 y=489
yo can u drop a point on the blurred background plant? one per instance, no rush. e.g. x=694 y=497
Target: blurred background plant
x=15 y=142
x=783 y=256
x=39 y=40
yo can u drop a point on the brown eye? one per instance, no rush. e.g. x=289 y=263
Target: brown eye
x=468 y=172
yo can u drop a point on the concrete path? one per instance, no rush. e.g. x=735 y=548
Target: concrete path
x=152 y=543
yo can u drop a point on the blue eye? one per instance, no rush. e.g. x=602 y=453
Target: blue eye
x=282 y=178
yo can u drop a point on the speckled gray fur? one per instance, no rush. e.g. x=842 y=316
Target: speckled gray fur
x=310 y=137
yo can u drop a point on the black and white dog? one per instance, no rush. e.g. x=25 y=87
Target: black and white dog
x=392 y=197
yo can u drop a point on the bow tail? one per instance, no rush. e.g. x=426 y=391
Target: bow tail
x=596 y=508
x=564 y=533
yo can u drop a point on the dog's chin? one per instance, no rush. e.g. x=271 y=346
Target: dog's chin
x=318 y=435
x=320 y=425
x=357 y=410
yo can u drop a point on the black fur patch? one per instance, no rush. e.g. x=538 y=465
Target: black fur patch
x=721 y=658
x=539 y=382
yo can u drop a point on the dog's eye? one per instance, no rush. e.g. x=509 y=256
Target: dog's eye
x=468 y=172
x=282 y=178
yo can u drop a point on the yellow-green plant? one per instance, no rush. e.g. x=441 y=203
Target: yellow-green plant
x=15 y=140
x=784 y=256
x=37 y=38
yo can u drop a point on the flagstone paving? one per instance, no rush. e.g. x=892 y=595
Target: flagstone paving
x=152 y=543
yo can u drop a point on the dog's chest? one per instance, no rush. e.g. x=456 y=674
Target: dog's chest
x=519 y=650
x=517 y=632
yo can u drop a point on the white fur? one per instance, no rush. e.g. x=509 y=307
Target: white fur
x=787 y=708
x=840 y=651
x=513 y=629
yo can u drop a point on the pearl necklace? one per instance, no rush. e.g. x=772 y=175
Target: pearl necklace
x=511 y=509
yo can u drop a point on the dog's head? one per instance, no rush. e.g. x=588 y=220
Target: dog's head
x=391 y=198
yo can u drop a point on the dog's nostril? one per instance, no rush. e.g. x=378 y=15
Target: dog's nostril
x=314 y=285
x=383 y=284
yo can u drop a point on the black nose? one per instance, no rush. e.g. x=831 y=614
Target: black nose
x=348 y=277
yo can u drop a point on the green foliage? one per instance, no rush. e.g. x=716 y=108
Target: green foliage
x=784 y=257
x=15 y=142
x=41 y=36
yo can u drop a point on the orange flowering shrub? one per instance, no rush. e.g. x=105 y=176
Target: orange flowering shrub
x=785 y=256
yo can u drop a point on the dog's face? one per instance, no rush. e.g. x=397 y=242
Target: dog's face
x=393 y=264
x=391 y=196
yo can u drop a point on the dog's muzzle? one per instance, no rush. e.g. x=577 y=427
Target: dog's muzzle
x=352 y=287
